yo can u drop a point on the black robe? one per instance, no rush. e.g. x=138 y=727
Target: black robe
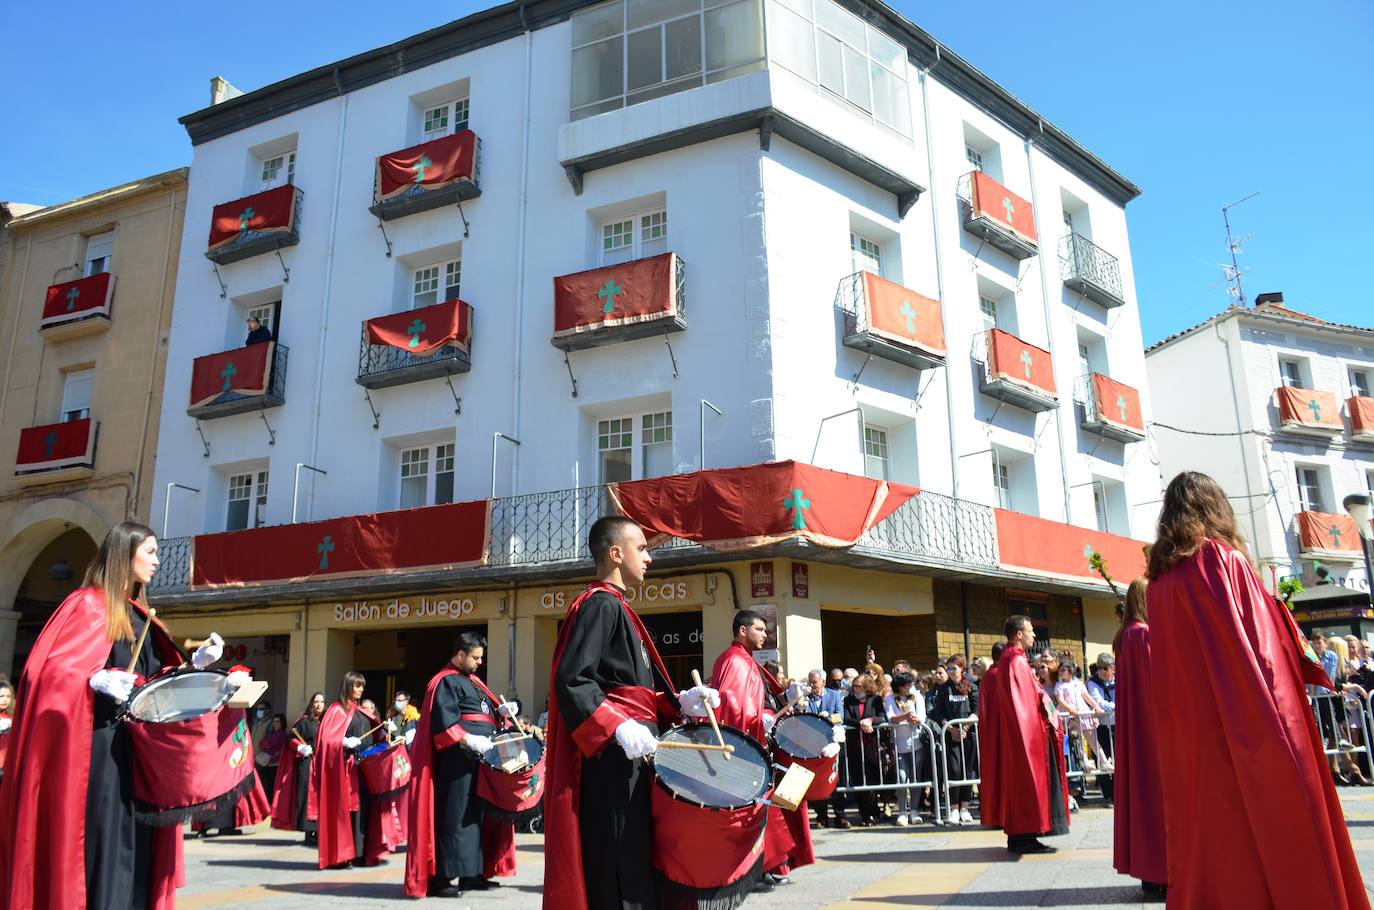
x=457 y=810
x=604 y=652
x=359 y=724
x=119 y=849
x=309 y=729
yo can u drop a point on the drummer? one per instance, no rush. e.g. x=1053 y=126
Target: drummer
x=293 y=774
x=67 y=728
x=338 y=799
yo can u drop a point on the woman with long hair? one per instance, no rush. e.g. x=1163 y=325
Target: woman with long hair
x=957 y=699
x=1139 y=820
x=294 y=773
x=68 y=834
x=339 y=800
x=1253 y=816
x=863 y=711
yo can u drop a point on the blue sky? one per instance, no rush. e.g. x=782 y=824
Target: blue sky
x=1199 y=103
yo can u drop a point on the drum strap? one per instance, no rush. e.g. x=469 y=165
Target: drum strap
x=635 y=702
x=476 y=718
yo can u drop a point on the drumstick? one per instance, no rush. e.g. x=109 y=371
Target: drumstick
x=519 y=726
x=297 y=734
x=711 y=713
x=373 y=730
x=704 y=747
x=138 y=645
x=191 y=644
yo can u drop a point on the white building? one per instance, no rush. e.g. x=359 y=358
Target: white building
x=1282 y=402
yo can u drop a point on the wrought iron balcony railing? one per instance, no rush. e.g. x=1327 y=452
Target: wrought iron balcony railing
x=251 y=242
x=421 y=198
x=383 y=365
x=1089 y=270
x=931 y=527
x=232 y=402
x=864 y=330
x=1118 y=419
x=991 y=220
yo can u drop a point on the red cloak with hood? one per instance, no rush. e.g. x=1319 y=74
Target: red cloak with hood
x=1139 y=817
x=334 y=789
x=284 y=796
x=989 y=789
x=1251 y=815
x=43 y=801
x=1024 y=728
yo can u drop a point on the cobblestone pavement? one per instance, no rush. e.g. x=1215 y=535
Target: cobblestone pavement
x=857 y=869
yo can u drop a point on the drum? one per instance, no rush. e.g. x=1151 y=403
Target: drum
x=511 y=776
x=191 y=753
x=799 y=739
x=385 y=768
x=701 y=798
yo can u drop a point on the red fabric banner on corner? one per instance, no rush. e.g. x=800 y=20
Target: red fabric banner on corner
x=741 y=508
x=431 y=165
x=640 y=291
x=900 y=314
x=268 y=212
x=426 y=329
x=992 y=200
x=56 y=445
x=78 y=299
x=1041 y=545
x=1014 y=360
x=1309 y=408
x=385 y=543
x=1325 y=534
x=247 y=371
x=1361 y=412
x=1117 y=403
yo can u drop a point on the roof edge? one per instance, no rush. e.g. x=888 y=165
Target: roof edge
x=110 y=196
x=1236 y=312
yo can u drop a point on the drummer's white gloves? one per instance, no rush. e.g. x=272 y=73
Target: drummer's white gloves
x=695 y=700
x=794 y=693
x=768 y=721
x=830 y=750
x=837 y=736
x=114 y=682
x=208 y=653
x=476 y=743
x=304 y=750
x=409 y=736
x=4 y=724
x=636 y=739
x=507 y=709
x=239 y=678
x=351 y=742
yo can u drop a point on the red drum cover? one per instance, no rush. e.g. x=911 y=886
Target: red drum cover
x=387 y=771
x=183 y=768
x=705 y=848
x=827 y=771
x=511 y=792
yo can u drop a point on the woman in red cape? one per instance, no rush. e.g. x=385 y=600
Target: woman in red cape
x=293 y=773
x=1139 y=816
x=338 y=800
x=1251 y=815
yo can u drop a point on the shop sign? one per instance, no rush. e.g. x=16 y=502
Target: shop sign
x=801 y=580
x=761 y=579
x=676 y=634
x=769 y=612
x=361 y=611
x=648 y=593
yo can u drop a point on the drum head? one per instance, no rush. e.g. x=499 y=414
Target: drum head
x=706 y=778
x=802 y=735
x=182 y=696
x=374 y=749
x=505 y=755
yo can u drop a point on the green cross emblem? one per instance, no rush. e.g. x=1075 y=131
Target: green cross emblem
x=1026 y=359
x=1088 y=551
x=1121 y=405
x=248 y=215
x=910 y=315
x=228 y=374
x=798 y=503
x=1009 y=206
x=241 y=733
x=71 y=298
x=49 y=443
x=1335 y=537
x=324 y=548
x=609 y=292
x=421 y=166
x=1316 y=410
x=414 y=331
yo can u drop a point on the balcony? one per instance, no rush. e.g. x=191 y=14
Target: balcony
x=1089 y=270
x=76 y=308
x=1322 y=535
x=416 y=345
x=1361 y=411
x=884 y=319
x=639 y=299
x=1308 y=412
x=56 y=452
x=1111 y=409
x=261 y=223
x=440 y=172
x=997 y=216
x=1018 y=373
x=238 y=381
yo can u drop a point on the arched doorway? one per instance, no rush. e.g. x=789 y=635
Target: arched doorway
x=54 y=573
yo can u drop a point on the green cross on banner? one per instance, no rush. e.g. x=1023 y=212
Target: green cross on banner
x=1009 y=206
x=49 y=443
x=420 y=167
x=1316 y=409
x=414 y=331
x=248 y=215
x=910 y=315
x=228 y=374
x=71 y=299
x=797 y=502
x=324 y=548
x=1121 y=406
x=1335 y=537
x=609 y=292
x=1026 y=359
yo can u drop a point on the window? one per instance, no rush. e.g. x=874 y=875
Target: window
x=446 y=119
x=657 y=435
x=614 y=445
x=635 y=237
x=1001 y=484
x=618 y=439
x=1359 y=382
x=266 y=315
x=1290 y=373
x=436 y=283
x=419 y=485
x=99 y=251
x=1068 y=223
x=988 y=307
x=278 y=170
x=974 y=157
x=247 y=501
x=76 y=395
x=1085 y=359
x=875 y=453
x=867 y=255
x=1100 y=506
x=1310 y=490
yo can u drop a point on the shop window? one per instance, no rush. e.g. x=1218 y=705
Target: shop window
x=247 y=501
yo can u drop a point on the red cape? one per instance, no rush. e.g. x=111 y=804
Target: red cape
x=989 y=788
x=420 y=824
x=1139 y=817
x=564 y=886
x=1020 y=737
x=334 y=789
x=284 y=796
x=43 y=801
x=1251 y=814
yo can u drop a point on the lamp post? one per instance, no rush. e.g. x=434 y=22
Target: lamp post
x=296 y=487
x=167 y=504
x=1358 y=505
x=701 y=452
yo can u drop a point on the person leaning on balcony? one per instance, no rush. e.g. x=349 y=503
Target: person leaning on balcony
x=257 y=332
x=69 y=837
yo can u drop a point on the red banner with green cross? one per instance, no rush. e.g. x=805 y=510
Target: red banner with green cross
x=426 y=329
x=1361 y=411
x=901 y=315
x=433 y=538
x=1309 y=408
x=269 y=212
x=1013 y=360
x=1324 y=534
x=78 y=299
x=644 y=290
x=245 y=371
x=56 y=445
x=429 y=165
x=1117 y=404
x=992 y=200
x=757 y=505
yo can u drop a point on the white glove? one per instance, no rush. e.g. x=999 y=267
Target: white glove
x=636 y=739
x=351 y=742
x=114 y=682
x=695 y=700
x=409 y=736
x=239 y=678
x=837 y=734
x=768 y=721
x=4 y=724
x=304 y=750
x=476 y=743
x=208 y=653
x=794 y=693
x=507 y=709
x=830 y=750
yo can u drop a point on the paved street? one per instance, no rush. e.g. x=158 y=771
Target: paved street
x=858 y=869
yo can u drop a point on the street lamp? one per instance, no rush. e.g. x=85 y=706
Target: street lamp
x=701 y=451
x=296 y=487
x=1358 y=506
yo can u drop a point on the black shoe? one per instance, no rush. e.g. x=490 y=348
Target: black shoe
x=765 y=885
x=477 y=883
x=232 y=832
x=842 y=822
x=778 y=879
x=441 y=888
x=1033 y=846
x=1154 y=892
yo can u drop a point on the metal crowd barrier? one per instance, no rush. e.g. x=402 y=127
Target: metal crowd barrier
x=878 y=768
x=1343 y=721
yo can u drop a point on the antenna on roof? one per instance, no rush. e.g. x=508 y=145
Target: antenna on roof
x=1231 y=273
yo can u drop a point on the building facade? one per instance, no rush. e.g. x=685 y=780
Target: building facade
x=544 y=249
x=85 y=305
x=1283 y=400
